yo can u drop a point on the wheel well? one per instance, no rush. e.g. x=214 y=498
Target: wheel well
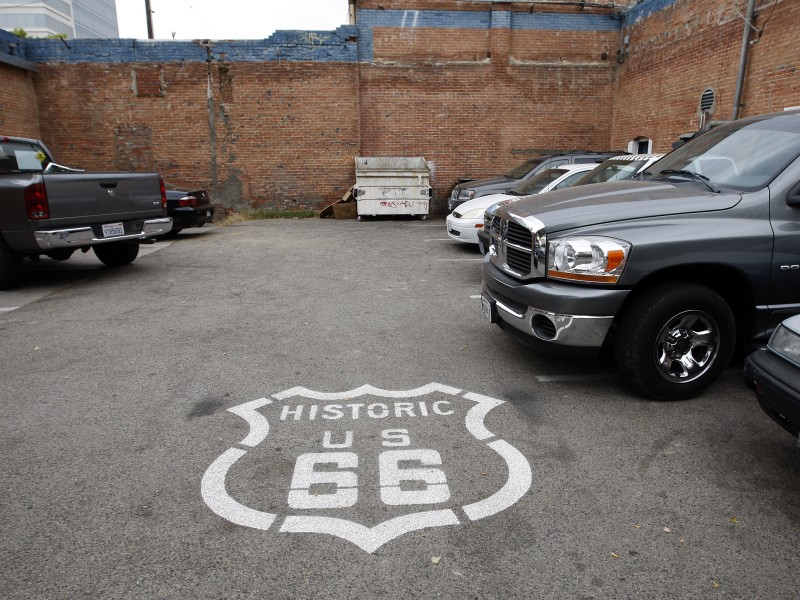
x=726 y=281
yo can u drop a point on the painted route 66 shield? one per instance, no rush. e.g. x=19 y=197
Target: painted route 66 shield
x=366 y=465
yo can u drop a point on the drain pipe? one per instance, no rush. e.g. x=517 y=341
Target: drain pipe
x=748 y=25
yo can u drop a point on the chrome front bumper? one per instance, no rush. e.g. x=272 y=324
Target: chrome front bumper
x=566 y=330
x=74 y=237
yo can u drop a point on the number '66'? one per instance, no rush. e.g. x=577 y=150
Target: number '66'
x=345 y=479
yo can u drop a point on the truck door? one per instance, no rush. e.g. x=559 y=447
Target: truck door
x=784 y=296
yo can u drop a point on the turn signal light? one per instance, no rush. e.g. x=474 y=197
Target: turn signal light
x=36 y=204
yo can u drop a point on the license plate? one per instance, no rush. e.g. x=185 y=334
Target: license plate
x=208 y=213
x=113 y=229
x=487 y=308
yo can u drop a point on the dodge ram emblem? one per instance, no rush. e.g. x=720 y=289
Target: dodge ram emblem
x=366 y=465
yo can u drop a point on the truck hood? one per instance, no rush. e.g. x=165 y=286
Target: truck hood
x=619 y=201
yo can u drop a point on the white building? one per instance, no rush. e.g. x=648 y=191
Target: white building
x=73 y=18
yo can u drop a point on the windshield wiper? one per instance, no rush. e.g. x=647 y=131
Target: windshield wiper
x=693 y=176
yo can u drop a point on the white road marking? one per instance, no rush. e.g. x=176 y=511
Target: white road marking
x=370 y=539
x=259 y=426
x=365 y=390
x=518 y=482
x=459 y=259
x=345 y=477
x=568 y=378
x=212 y=488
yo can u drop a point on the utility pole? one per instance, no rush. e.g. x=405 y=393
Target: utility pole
x=149 y=19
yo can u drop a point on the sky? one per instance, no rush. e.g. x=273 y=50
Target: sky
x=227 y=19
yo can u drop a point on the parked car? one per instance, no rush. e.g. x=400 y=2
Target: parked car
x=575 y=177
x=464 y=223
x=773 y=373
x=496 y=185
x=188 y=209
x=669 y=272
x=619 y=168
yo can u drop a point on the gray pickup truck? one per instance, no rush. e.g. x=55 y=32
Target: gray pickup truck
x=671 y=271
x=51 y=210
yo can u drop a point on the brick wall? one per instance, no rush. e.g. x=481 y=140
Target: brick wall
x=676 y=49
x=18 y=103
x=474 y=87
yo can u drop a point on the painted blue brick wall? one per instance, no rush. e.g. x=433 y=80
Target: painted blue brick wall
x=369 y=19
x=12 y=45
x=644 y=9
x=289 y=46
x=348 y=43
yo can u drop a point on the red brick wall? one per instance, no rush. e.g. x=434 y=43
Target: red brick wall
x=677 y=53
x=474 y=102
x=18 y=103
x=282 y=135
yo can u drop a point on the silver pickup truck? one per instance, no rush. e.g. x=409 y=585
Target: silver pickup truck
x=51 y=210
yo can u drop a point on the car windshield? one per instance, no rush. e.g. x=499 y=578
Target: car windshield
x=611 y=170
x=743 y=156
x=22 y=157
x=525 y=168
x=537 y=183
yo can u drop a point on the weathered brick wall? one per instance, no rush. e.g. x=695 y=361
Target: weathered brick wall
x=18 y=103
x=676 y=49
x=474 y=87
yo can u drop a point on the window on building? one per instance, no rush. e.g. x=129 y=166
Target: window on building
x=640 y=145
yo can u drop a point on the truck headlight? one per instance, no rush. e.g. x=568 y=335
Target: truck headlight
x=592 y=258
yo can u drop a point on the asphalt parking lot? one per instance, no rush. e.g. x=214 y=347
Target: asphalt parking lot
x=298 y=408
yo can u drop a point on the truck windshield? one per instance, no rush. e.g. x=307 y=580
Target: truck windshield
x=537 y=183
x=743 y=155
x=525 y=168
x=22 y=157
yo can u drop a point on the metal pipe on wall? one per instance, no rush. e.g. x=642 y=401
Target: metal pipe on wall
x=748 y=25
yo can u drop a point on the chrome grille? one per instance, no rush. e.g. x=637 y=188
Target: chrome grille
x=519 y=235
x=518 y=245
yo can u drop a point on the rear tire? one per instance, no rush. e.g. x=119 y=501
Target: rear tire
x=675 y=340
x=117 y=254
x=10 y=267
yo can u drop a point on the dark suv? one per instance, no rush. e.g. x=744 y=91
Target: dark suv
x=497 y=185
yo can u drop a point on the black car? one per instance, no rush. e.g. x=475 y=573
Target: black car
x=773 y=373
x=499 y=185
x=188 y=209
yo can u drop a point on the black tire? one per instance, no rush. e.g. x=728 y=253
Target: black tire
x=117 y=254
x=675 y=340
x=10 y=267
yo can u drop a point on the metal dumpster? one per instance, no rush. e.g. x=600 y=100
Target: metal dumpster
x=392 y=185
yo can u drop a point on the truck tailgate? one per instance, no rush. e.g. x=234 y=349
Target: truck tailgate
x=101 y=197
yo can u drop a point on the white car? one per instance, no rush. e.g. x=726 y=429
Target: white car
x=466 y=220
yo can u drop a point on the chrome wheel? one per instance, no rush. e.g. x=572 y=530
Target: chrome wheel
x=686 y=346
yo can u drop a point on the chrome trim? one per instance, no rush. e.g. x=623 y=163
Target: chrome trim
x=571 y=330
x=499 y=245
x=74 y=237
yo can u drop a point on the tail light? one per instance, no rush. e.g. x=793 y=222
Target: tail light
x=36 y=204
x=187 y=201
x=163 y=194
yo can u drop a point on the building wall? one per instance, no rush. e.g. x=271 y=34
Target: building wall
x=474 y=87
x=18 y=102
x=676 y=49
